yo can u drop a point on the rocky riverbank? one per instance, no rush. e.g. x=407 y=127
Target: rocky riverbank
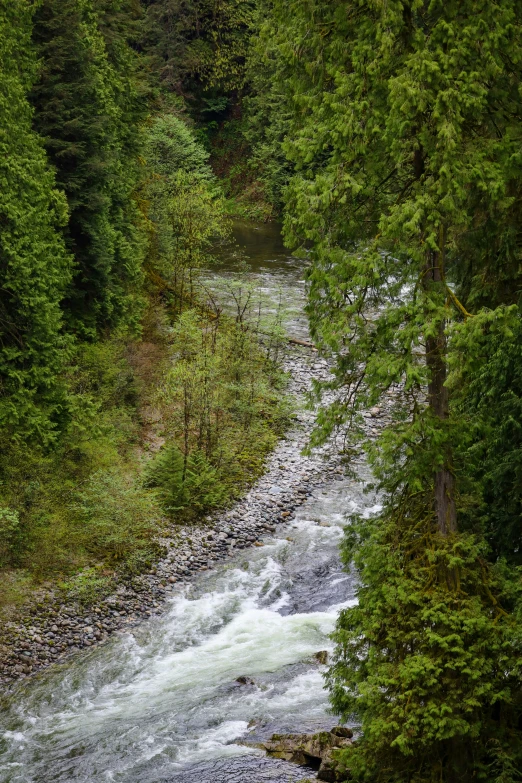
x=318 y=751
x=50 y=630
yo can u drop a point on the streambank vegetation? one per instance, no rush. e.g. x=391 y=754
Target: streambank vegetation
x=388 y=138
x=131 y=396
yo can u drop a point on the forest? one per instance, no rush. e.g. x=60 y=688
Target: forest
x=386 y=139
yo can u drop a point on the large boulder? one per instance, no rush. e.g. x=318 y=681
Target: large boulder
x=313 y=750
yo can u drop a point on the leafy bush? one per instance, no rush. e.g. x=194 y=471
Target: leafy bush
x=96 y=452
x=9 y=534
x=87 y=586
x=113 y=516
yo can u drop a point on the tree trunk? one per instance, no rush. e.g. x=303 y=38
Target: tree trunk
x=438 y=397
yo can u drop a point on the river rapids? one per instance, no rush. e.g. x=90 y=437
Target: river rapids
x=162 y=702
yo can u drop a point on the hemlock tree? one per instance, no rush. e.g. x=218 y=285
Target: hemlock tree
x=197 y=45
x=406 y=145
x=34 y=266
x=87 y=110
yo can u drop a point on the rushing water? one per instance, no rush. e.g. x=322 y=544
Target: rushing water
x=162 y=703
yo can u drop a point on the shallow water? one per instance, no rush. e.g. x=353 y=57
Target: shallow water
x=162 y=702
x=258 y=253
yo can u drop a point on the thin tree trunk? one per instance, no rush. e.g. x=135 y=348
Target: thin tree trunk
x=438 y=396
x=186 y=428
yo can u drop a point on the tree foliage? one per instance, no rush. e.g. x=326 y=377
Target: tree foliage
x=171 y=147
x=34 y=265
x=392 y=133
x=185 y=209
x=197 y=45
x=223 y=394
x=405 y=140
x=434 y=671
x=87 y=110
x=486 y=383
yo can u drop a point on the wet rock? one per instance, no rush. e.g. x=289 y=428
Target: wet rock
x=322 y=658
x=329 y=772
x=342 y=731
x=312 y=750
x=245 y=680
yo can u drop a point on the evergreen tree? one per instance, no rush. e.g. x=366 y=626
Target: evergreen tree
x=486 y=385
x=197 y=45
x=406 y=146
x=87 y=110
x=267 y=114
x=185 y=208
x=170 y=147
x=34 y=266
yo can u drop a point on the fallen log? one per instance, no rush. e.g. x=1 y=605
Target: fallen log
x=298 y=341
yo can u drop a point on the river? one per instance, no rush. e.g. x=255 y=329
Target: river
x=161 y=702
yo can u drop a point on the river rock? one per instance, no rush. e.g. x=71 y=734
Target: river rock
x=313 y=750
x=342 y=731
x=322 y=658
x=245 y=680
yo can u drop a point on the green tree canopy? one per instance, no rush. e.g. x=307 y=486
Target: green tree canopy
x=405 y=140
x=87 y=110
x=170 y=147
x=34 y=265
x=198 y=44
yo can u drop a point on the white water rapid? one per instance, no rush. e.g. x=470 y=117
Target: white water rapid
x=162 y=703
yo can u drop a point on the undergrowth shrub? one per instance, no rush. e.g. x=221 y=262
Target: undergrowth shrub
x=112 y=516
x=58 y=505
x=9 y=535
x=191 y=486
x=87 y=586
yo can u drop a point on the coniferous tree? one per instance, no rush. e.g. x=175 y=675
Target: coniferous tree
x=34 y=265
x=86 y=109
x=267 y=113
x=197 y=44
x=406 y=146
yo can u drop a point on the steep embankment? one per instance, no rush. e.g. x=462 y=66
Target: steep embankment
x=51 y=630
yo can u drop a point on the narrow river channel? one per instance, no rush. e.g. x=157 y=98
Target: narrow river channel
x=161 y=702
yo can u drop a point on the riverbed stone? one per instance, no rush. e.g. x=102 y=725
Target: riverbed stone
x=316 y=750
x=265 y=510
